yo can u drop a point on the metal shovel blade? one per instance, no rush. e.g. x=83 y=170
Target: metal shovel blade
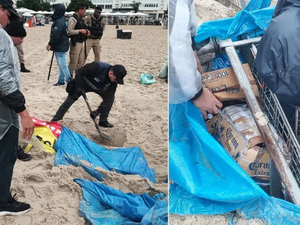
x=105 y=136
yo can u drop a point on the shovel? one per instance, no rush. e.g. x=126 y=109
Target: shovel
x=96 y=125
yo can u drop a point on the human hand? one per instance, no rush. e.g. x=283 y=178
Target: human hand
x=94 y=114
x=207 y=103
x=27 y=125
x=88 y=33
x=83 y=31
x=48 y=47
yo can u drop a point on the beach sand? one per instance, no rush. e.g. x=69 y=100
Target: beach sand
x=139 y=115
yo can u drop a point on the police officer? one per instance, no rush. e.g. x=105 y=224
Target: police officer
x=96 y=25
x=100 y=78
x=78 y=33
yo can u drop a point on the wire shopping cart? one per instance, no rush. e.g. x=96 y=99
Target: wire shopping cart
x=285 y=179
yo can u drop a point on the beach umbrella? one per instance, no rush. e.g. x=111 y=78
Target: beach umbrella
x=90 y=10
x=128 y=14
x=47 y=13
x=32 y=12
x=23 y=10
x=106 y=14
x=117 y=14
x=140 y=14
x=70 y=13
x=27 y=14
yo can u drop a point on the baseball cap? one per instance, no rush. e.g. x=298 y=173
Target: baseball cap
x=16 y=29
x=8 y=4
x=120 y=73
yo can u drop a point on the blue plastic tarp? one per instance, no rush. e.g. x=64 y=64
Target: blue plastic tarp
x=257 y=4
x=75 y=149
x=244 y=22
x=222 y=61
x=206 y=178
x=101 y=204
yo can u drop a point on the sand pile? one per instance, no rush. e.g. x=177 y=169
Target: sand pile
x=212 y=10
x=139 y=114
x=208 y=220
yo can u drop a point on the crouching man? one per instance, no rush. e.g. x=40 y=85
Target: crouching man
x=100 y=78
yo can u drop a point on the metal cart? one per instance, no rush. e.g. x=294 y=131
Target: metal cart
x=284 y=183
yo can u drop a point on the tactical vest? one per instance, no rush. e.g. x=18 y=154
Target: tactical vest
x=96 y=28
x=79 y=25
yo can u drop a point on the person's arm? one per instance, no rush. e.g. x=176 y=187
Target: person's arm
x=71 y=27
x=103 y=23
x=9 y=92
x=88 y=21
x=193 y=30
x=88 y=24
x=185 y=81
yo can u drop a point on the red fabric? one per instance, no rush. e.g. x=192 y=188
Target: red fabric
x=55 y=127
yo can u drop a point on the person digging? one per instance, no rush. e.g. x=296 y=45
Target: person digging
x=100 y=78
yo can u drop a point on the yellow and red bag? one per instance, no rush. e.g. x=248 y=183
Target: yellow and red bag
x=47 y=133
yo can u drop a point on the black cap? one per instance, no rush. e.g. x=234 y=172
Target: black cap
x=120 y=73
x=16 y=29
x=8 y=4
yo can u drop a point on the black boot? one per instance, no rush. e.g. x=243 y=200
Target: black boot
x=23 y=69
x=22 y=155
x=105 y=124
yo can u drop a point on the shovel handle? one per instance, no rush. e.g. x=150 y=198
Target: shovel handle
x=95 y=123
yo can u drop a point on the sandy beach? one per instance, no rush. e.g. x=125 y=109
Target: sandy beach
x=139 y=115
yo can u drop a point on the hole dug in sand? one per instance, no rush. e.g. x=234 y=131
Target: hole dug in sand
x=118 y=138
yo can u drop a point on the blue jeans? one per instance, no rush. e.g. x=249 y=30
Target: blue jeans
x=64 y=73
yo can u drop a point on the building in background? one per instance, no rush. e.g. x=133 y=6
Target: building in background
x=154 y=8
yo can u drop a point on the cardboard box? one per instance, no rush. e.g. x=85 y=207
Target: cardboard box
x=212 y=123
x=237 y=132
x=224 y=84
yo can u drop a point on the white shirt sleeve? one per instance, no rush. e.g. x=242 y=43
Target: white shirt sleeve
x=184 y=78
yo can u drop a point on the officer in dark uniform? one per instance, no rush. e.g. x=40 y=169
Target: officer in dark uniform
x=100 y=78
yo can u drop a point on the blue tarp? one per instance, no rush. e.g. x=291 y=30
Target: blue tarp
x=75 y=149
x=221 y=61
x=255 y=17
x=206 y=178
x=101 y=204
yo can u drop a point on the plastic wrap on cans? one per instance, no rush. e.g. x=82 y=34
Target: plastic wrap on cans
x=237 y=132
x=34 y=141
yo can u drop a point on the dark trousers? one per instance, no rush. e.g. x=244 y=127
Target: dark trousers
x=104 y=108
x=290 y=113
x=8 y=157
